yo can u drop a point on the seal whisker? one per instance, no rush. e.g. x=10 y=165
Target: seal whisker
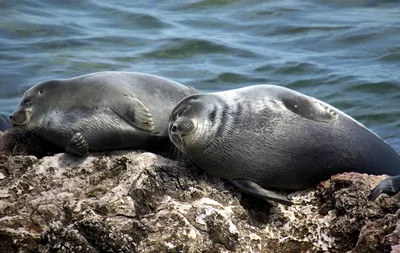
x=20 y=89
x=171 y=151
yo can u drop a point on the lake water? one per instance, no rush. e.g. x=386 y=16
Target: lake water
x=345 y=52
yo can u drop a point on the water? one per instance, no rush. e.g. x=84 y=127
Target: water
x=346 y=53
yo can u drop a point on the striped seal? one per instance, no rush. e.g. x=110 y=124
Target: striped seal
x=265 y=137
x=101 y=111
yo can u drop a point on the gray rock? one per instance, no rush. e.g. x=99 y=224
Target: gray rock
x=135 y=201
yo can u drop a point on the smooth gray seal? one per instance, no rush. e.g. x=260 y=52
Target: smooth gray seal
x=101 y=111
x=267 y=137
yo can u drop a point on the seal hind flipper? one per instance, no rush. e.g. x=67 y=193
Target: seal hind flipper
x=256 y=190
x=390 y=186
x=134 y=112
x=309 y=108
x=78 y=145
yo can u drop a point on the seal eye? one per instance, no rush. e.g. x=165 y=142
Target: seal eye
x=40 y=92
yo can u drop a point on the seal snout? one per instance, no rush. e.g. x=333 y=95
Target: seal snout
x=19 y=118
x=175 y=136
x=174 y=131
x=179 y=129
x=174 y=128
x=183 y=127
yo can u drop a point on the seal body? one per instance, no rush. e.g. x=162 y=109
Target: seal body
x=101 y=111
x=269 y=137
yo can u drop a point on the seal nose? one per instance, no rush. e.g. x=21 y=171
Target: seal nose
x=11 y=117
x=173 y=128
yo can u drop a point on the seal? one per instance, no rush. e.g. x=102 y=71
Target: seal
x=4 y=122
x=101 y=111
x=265 y=138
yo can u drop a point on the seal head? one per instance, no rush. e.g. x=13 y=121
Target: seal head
x=34 y=100
x=187 y=127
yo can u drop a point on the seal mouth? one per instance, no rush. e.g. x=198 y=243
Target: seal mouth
x=179 y=130
x=177 y=138
x=178 y=141
x=19 y=118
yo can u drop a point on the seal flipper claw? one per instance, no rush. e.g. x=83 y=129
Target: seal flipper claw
x=78 y=145
x=256 y=190
x=309 y=108
x=390 y=186
x=134 y=112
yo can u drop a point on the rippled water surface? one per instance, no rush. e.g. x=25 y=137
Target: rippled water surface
x=346 y=53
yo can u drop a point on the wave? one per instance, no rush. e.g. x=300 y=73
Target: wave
x=182 y=48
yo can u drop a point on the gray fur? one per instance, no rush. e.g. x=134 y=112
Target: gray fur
x=275 y=137
x=101 y=111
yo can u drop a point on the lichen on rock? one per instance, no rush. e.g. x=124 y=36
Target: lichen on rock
x=136 y=201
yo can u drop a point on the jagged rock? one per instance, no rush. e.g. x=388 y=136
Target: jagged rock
x=136 y=201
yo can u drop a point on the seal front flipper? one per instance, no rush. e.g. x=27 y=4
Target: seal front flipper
x=134 y=112
x=309 y=108
x=256 y=190
x=78 y=145
x=390 y=186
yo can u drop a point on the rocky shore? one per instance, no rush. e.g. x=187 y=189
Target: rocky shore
x=136 y=201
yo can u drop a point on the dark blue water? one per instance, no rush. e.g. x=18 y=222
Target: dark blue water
x=346 y=53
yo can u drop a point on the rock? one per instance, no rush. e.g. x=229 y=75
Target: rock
x=15 y=141
x=136 y=201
